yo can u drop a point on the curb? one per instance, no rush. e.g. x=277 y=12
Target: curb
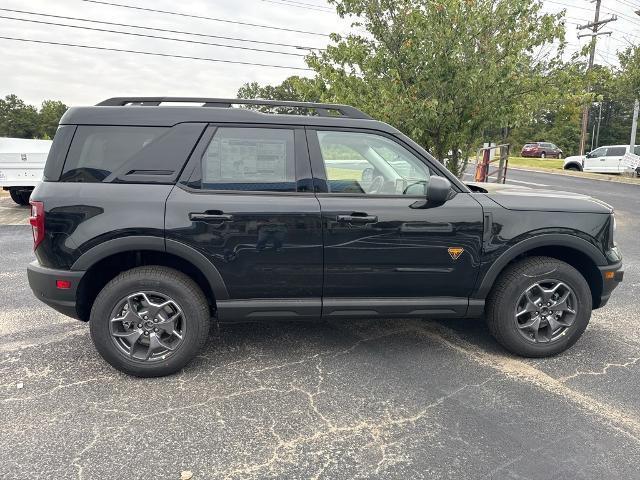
x=583 y=175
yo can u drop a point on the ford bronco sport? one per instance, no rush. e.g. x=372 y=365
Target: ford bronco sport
x=153 y=221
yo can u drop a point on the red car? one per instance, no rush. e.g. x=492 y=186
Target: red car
x=541 y=150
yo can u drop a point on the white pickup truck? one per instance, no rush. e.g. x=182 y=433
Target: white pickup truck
x=21 y=166
x=607 y=159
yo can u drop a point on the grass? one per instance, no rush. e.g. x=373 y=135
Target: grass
x=335 y=173
x=552 y=163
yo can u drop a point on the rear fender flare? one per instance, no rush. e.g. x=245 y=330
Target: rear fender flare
x=159 y=244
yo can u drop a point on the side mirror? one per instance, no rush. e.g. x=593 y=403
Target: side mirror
x=367 y=175
x=438 y=190
x=588 y=155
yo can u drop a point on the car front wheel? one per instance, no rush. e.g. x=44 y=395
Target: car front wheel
x=543 y=155
x=539 y=307
x=150 y=321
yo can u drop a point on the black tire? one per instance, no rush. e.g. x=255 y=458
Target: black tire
x=559 y=156
x=573 y=168
x=166 y=281
x=513 y=283
x=21 y=197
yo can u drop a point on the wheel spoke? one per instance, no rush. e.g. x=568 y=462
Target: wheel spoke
x=531 y=324
x=131 y=337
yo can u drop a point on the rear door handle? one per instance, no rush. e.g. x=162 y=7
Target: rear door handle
x=357 y=218
x=211 y=217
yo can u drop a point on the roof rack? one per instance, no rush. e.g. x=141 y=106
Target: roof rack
x=322 y=109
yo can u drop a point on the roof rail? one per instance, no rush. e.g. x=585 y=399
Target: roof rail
x=322 y=109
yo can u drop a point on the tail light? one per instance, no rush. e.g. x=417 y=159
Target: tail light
x=37 y=222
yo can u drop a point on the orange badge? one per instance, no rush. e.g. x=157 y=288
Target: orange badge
x=455 y=252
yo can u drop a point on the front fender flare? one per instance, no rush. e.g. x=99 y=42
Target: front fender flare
x=544 y=240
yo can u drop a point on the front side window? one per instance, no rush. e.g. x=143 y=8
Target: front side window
x=98 y=151
x=250 y=159
x=598 y=152
x=616 y=151
x=365 y=163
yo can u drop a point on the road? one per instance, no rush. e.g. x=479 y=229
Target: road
x=335 y=400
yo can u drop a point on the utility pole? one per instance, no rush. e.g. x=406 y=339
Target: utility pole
x=634 y=126
x=595 y=27
x=598 y=130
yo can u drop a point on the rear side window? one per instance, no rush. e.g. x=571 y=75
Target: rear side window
x=250 y=159
x=98 y=151
x=616 y=151
x=637 y=150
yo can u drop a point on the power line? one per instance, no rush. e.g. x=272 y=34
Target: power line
x=181 y=32
x=145 y=35
x=157 y=54
x=202 y=17
x=307 y=6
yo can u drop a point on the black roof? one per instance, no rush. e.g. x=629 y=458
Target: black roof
x=153 y=111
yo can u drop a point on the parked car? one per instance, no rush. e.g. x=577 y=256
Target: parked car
x=21 y=164
x=541 y=150
x=154 y=222
x=606 y=159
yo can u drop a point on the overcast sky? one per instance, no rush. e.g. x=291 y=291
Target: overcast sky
x=80 y=76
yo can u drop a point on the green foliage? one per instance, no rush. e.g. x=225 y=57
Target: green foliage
x=19 y=120
x=629 y=78
x=445 y=71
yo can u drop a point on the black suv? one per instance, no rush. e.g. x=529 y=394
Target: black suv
x=154 y=221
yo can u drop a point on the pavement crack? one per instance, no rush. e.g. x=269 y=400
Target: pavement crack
x=603 y=371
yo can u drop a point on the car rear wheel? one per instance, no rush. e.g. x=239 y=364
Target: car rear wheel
x=539 y=307
x=150 y=321
x=21 y=197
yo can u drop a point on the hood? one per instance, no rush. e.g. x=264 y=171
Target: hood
x=529 y=199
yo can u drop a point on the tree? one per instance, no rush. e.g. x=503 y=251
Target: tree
x=50 y=114
x=294 y=88
x=17 y=119
x=629 y=75
x=443 y=71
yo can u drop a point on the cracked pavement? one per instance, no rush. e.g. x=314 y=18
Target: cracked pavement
x=334 y=400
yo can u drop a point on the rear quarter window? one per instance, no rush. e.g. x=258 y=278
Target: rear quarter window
x=58 y=152
x=97 y=151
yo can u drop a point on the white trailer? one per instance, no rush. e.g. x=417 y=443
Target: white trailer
x=21 y=166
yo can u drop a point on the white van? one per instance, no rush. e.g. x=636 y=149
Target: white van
x=607 y=159
x=21 y=166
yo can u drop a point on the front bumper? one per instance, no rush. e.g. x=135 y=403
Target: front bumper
x=612 y=275
x=43 y=280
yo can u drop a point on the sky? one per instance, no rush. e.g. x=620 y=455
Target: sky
x=79 y=76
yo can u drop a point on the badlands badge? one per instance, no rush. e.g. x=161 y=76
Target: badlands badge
x=455 y=252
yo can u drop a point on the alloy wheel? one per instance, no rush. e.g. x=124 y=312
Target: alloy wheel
x=545 y=311
x=147 y=326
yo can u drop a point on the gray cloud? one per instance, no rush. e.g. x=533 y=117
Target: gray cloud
x=81 y=77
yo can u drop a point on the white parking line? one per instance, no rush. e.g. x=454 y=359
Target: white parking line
x=516 y=181
x=527 y=183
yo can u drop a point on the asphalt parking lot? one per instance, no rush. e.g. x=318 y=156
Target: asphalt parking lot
x=335 y=400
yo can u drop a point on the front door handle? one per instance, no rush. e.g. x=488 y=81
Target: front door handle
x=357 y=218
x=211 y=217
